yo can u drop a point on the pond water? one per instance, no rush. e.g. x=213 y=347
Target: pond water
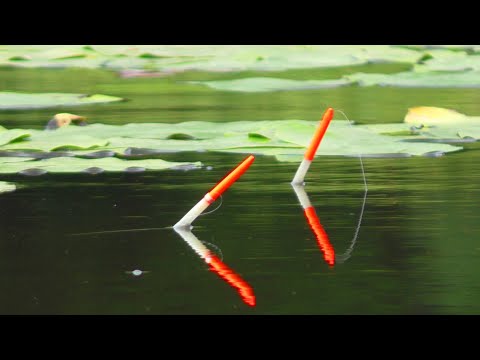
x=70 y=244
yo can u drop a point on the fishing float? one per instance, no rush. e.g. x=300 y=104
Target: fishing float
x=218 y=267
x=312 y=148
x=320 y=234
x=213 y=194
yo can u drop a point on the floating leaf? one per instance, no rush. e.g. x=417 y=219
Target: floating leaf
x=205 y=57
x=55 y=140
x=73 y=165
x=10 y=100
x=445 y=60
x=6 y=187
x=432 y=124
x=282 y=137
x=429 y=115
x=469 y=79
x=9 y=136
x=262 y=84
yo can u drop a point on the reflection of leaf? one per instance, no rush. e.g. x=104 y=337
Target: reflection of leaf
x=13 y=100
x=6 y=187
x=72 y=165
x=262 y=84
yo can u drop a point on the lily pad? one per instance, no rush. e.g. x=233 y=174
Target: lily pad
x=55 y=140
x=263 y=84
x=73 y=165
x=10 y=100
x=205 y=57
x=280 y=137
x=6 y=187
x=470 y=79
x=445 y=60
x=9 y=136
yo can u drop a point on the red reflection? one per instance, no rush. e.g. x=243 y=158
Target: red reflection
x=245 y=291
x=321 y=235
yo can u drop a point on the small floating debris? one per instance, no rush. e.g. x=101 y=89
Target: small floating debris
x=137 y=272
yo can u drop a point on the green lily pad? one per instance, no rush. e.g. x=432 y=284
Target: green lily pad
x=6 y=187
x=205 y=57
x=55 y=140
x=268 y=137
x=470 y=79
x=445 y=60
x=263 y=84
x=73 y=165
x=8 y=136
x=10 y=100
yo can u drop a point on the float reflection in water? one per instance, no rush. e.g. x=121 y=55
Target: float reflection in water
x=217 y=266
x=317 y=228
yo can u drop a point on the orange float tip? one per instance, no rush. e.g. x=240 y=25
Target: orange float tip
x=233 y=176
x=319 y=133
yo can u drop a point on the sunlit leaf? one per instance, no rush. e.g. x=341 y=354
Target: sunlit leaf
x=429 y=115
x=431 y=124
x=10 y=100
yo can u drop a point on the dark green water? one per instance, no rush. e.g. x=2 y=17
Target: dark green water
x=417 y=249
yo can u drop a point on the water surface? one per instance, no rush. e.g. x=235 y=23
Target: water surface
x=64 y=248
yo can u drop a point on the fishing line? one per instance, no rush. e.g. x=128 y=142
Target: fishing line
x=218 y=207
x=342 y=258
x=218 y=250
x=119 y=231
